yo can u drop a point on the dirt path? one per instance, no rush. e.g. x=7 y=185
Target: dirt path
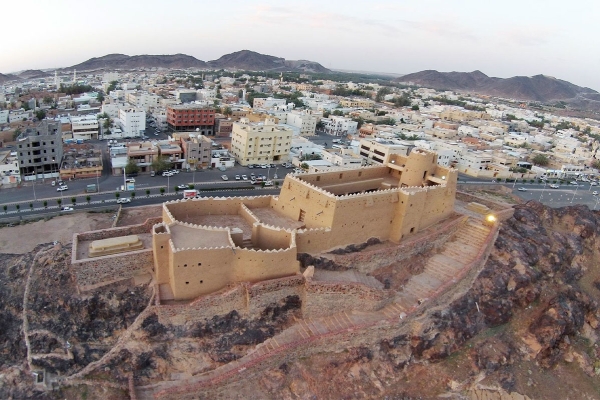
x=22 y=239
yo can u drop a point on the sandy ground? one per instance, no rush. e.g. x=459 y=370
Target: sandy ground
x=139 y=215
x=21 y=239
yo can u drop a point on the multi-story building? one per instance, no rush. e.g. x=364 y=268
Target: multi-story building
x=172 y=152
x=342 y=157
x=260 y=143
x=188 y=117
x=268 y=102
x=306 y=123
x=357 y=103
x=85 y=127
x=143 y=154
x=132 y=121
x=196 y=149
x=3 y=116
x=340 y=126
x=223 y=126
x=18 y=115
x=40 y=150
x=81 y=161
x=379 y=150
x=144 y=100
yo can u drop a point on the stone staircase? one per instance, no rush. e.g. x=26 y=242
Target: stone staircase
x=247 y=244
x=351 y=276
x=441 y=269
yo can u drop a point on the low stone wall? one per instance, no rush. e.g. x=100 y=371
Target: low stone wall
x=94 y=272
x=261 y=294
x=429 y=240
x=327 y=298
x=493 y=205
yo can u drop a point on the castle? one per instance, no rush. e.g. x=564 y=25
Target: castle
x=202 y=245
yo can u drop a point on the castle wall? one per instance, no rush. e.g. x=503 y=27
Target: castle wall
x=199 y=271
x=266 y=237
x=160 y=242
x=313 y=240
x=327 y=298
x=257 y=265
x=318 y=207
x=334 y=177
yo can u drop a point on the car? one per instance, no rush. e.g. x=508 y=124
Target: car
x=123 y=200
x=224 y=177
x=174 y=171
x=237 y=177
x=573 y=183
x=554 y=186
x=244 y=178
x=269 y=183
x=273 y=166
x=252 y=175
x=62 y=188
x=167 y=173
x=183 y=187
x=155 y=134
x=152 y=173
x=53 y=183
x=595 y=193
x=251 y=166
x=522 y=189
x=66 y=208
x=264 y=166
x=593 y=183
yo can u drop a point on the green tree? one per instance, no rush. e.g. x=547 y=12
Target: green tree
x=31 y=206
x=596 y=164
x=73 y=200
x=112 y=86
x=227 y=111
x=18 y=207
x=88 y=198
x=304 y=166
x=47 y=100
x=117 y=195
x=59 y=202
x=147 y=192
x=100 y=97
x=161 y=164
x=382 y=92
x=45 y=204
x=541 y=160
x=162 y=191
x=131 y=167
x=415 y=107
x=132 y=195
x=40 y=114
x=176 y=189
x=5 y=207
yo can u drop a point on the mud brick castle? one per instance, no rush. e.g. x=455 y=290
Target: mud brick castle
x=202 y=245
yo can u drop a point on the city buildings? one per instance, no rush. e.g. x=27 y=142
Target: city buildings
x=339 y=126
x=84 y=127
x=132 y=122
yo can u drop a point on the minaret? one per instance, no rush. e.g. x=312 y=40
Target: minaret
x=56 y=78
x=74 y=76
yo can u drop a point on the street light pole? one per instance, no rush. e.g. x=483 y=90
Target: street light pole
x=542 y=192
x=574 y=193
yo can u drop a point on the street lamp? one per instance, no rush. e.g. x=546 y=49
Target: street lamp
x=542 y=192
x=574 y=193
x=34 y=196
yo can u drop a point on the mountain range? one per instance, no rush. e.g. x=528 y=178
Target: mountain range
x=533 y=88
x=244 y=59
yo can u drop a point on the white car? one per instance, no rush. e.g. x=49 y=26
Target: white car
x=66 y=208
x=595 y=193
x=237 y=178
x=522 y=189
x=244 y=178
x=62 y=188
x=123 y=200
x=554 y=186
x=224 y=177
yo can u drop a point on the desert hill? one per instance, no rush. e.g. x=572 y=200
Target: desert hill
x=538 y=88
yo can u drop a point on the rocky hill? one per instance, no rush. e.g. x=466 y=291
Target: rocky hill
x=539 y=87
x=122 y=61
x=245 y=59
x=528 y=325
x=33 y=74
x=8 y=78
x=253 y=61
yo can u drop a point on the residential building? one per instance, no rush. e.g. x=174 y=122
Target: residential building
x=187 y=117
x=196 y=149
x=305 y=122
x=268 y=102
x=172 y=152
x=3 y=116
x=18 y=115
x=80 y=161
x=342 y=157
x=132 y=122
x=85 y=127
x=40 y=150
x=260 y=143
x=379 y=150
x=221 y=158
x=223 y=126
x=340 y=126
x=143 y=154
x=9 y=168
x=357 y=103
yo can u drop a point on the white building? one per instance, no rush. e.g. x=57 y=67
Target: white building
x=132 y=122
x=3 y=116
x=306 y=123
x=9 y=168
x=112 y=109
x=85 y=127
x=342 y=157
x=18 y=115
x=340 y=126
x=144 y=100
x=268 y=102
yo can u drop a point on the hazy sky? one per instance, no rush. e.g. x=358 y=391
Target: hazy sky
x=507 y=38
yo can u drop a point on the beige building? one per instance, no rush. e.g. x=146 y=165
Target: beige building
x=379 y=150
x=260 y=143
x=196 y=149
x=357 y=103
x=143 y=154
